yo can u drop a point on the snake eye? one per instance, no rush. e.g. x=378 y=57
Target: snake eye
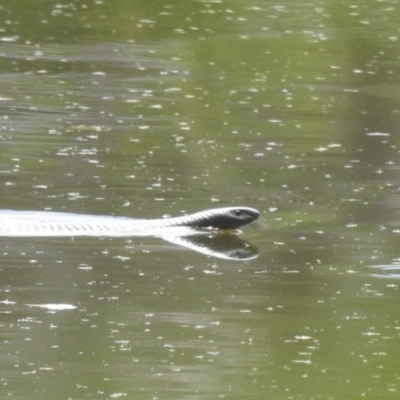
x=238 y=212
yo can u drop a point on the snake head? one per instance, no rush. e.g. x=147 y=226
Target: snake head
x=229 y=217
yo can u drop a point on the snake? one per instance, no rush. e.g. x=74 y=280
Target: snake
x=48 y=223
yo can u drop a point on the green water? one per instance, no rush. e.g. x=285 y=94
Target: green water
x=146 y=109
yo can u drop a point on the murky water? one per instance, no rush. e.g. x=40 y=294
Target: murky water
x=147 y=109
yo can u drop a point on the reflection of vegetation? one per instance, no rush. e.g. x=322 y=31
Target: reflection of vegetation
x=235 y=95
x=132 y=107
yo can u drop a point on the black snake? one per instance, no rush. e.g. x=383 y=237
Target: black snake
x=45 y=223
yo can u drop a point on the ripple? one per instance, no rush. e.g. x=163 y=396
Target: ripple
x=388 y=271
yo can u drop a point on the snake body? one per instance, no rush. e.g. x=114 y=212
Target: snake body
x=44 y=223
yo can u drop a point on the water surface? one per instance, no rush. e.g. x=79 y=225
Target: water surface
x=147 y=109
